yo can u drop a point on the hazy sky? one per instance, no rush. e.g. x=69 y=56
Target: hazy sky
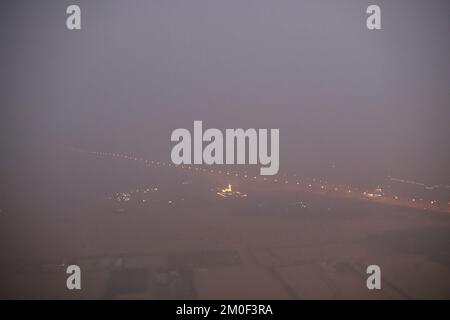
x=367 y=101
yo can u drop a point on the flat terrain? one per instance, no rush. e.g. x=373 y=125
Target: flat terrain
x=175 y=238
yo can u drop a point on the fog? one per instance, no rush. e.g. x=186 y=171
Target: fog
x=352 y=106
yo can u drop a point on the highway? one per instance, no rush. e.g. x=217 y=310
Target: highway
x=293 y=183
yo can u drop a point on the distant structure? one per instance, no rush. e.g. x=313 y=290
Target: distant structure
x=378 y=193
x=229 y=193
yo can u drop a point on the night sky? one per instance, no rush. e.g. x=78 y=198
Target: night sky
x=365 y=104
